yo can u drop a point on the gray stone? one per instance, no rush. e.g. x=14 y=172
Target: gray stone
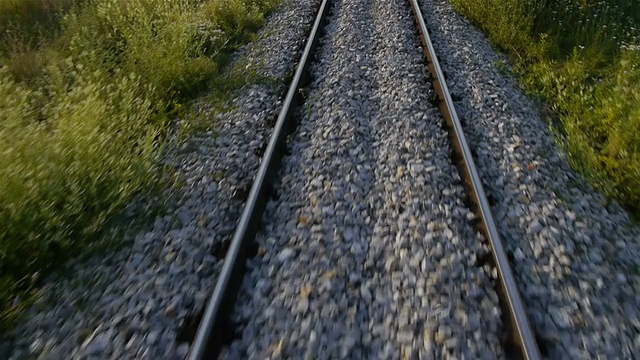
x=97 y=346
x=535 y=227
x=285 y=255
x=182 y=351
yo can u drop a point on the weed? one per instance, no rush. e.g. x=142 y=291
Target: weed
x=89 y=88
x=502 y=68
x=308 y=109
x=581 y=57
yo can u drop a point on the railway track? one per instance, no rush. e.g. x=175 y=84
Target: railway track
x=367 y=232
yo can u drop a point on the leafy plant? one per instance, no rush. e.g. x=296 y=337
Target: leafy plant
x=87 y=89
x=582 y=58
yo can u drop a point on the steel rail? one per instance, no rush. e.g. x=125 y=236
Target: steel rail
x=517 y=315
x=208 y=339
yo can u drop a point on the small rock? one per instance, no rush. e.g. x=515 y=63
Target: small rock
x=182 y=351
x=518 y=254
x=451 y=343
x=152 y=337
x=171 y=310
x=285 y=255
x=348 y=234
x=405 y=337
x=36 y=346
x=365 y=293
x=535 y=227
x=132 y=342
x=560 y=317
x=416 y=169
x=97 y=346
x=440 y=336
x=303 y=305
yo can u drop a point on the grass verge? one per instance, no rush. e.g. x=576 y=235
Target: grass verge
x=87 y=90
x=583 y=58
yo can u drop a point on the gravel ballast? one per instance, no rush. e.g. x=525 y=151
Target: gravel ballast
x=576 y=256
x=368 y=250
x=132 y=304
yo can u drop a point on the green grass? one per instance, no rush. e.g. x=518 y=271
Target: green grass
x=88 y=88
x=582 y=58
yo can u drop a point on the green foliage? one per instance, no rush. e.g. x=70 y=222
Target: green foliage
x=582 y=57
x=158 y=40
x=502 y=68
x=511 y=29
x=601 y=25
x=60 y=173
x=83 y=114
x=29 y=20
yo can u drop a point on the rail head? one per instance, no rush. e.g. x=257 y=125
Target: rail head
x=206 y=344
x=520 y=322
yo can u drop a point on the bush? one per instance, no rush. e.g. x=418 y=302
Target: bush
x=157 y=40
x=67 y=166
x=603 y=127
x=83 y=112
x=581 y=57
x=29 y=20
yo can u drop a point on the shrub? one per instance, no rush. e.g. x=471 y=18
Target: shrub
x=29 y=20
x=83 y=112
x=582 y=58
x=68 y=166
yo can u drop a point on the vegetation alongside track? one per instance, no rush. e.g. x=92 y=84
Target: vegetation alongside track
x=583 y=58
x=87 y=89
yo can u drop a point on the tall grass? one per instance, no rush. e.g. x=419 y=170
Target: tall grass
x=30 y=20
x=87 y=89
x=583 y=58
